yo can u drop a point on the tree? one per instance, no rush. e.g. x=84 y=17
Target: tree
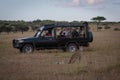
x=8 y=29
x=5 y=26
x=20 y=26
x=98 y=19
x=34 y=27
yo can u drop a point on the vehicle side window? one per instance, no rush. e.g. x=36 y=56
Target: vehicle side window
x=75 y=33
x=71 y=32
x=47 y=33
x=64 y=32
x=82 y=32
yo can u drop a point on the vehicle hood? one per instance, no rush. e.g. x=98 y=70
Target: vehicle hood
x=27 y=38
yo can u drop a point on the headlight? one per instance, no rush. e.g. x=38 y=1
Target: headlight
x=20 y=41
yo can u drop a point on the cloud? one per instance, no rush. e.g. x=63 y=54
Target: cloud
x=76 y=2
x=89 y=4
x=91 y=1
x=79 y=3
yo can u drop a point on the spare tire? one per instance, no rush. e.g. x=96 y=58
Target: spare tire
x=90 y=36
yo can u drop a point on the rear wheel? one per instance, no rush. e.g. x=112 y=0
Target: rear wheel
x=28 y=48
x=72 y=47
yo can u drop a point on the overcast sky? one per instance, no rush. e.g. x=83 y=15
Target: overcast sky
x=60 y=10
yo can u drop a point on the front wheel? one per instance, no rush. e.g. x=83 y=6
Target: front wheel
x=72 y=47
x=28 y=48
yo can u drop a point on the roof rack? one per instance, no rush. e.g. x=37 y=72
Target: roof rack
x=66 y=24
x=71 y=24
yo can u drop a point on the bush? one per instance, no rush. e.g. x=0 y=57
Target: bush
x=99 y=27
x=116 y=29
x=107 y=27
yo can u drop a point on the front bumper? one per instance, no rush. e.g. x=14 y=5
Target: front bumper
x=16 y=44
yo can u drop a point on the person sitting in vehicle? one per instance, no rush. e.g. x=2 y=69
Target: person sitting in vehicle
x=75 y=33
x=82 y=32
x=48 y=33
x=64 y=32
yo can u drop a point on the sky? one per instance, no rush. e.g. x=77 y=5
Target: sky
x=60 y=10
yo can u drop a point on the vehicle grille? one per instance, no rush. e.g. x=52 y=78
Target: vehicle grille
x=15 y=43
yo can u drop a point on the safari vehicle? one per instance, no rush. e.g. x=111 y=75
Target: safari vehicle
x=76 y=35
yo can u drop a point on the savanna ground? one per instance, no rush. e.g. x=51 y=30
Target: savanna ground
x=100 y=61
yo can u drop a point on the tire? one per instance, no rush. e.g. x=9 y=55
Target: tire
x=20 y=50
x=90 y=37
x=72 y=47
x=27 y=48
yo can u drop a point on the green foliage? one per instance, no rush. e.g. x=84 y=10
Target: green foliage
x=34 y=27
x=5 y=27
x=13 y=26
x=20 y=25
x=98 y=18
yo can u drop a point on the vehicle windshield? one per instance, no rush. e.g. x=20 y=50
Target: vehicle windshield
x=39 y=31
x=37 y=34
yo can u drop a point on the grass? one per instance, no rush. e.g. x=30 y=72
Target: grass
x=100 y=61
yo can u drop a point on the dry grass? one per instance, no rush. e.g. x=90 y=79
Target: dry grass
x=100 y=61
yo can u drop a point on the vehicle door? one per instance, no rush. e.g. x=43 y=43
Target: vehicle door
x=47 y=40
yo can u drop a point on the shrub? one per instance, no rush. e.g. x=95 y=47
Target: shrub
x=107 y=27
x=116 y=29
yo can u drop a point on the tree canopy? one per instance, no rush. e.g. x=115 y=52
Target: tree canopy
x=98 y=19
